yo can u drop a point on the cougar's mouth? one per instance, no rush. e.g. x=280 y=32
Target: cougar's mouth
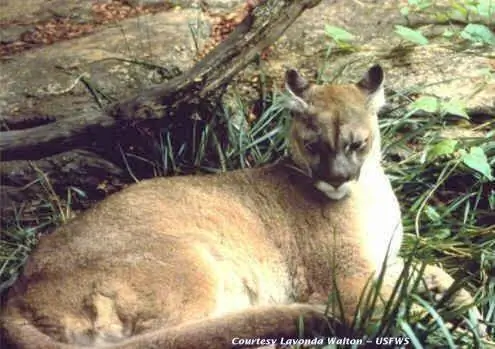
x=332 y=192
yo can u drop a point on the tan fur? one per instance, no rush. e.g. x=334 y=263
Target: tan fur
x=191 y=262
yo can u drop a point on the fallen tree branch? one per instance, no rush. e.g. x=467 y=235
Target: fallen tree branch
x=27 y=182
x=56 y=137
x=261 y=28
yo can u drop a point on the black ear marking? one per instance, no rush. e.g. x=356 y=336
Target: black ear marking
x=372 y=80
x=295 y=83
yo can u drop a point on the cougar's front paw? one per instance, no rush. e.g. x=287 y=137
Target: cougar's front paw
x=436 y=283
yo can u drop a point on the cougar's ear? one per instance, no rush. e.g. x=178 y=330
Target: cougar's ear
x=372 y=84
x=296 y=85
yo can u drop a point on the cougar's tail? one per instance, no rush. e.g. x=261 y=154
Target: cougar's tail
x=230 y=331
x=17 y=332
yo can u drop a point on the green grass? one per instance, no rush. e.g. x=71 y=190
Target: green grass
x=447 y=206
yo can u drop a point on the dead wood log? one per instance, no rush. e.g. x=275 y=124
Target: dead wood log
x=34 y=182
x=261 y=28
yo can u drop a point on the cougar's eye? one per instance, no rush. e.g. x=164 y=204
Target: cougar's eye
x=356 y=146
x=311 y=146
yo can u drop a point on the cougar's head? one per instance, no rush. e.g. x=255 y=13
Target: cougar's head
x=334 y=129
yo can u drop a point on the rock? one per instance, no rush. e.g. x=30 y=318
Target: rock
x=13 y=33
x=37 y=78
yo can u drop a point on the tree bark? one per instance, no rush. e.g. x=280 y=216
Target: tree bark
x=206 y=80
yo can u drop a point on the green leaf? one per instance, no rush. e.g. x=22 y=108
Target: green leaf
x=432 y=213
x=79 y=192
x=442 y=233
x=455 y=107
x=442 y=17
x=404 y=11
x=411 y=35
x=486 y=8
x=459 y=11
x=338 y=34
x=423 y=5
x=478 y=33
x=447 y=33
x=426 y=103
x=406 y=328
x=420 y=4
x=477 y=160
x=444 y=147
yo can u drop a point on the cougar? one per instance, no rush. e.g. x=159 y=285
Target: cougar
x=210 y=261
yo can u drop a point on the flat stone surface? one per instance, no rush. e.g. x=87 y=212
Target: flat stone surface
x=36 y=10
x=33 y=80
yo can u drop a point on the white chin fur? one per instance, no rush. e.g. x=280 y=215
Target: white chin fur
x=330 y=191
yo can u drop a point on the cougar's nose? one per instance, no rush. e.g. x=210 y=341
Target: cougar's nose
x=339 y=179
x=339 y=170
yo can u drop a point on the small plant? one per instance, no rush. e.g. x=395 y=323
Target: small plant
x=341 y=37
x=44 y=213
x=229 y=141
x=411 y=35
x=478 y=34
x=461 y=10
x=477 y=14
